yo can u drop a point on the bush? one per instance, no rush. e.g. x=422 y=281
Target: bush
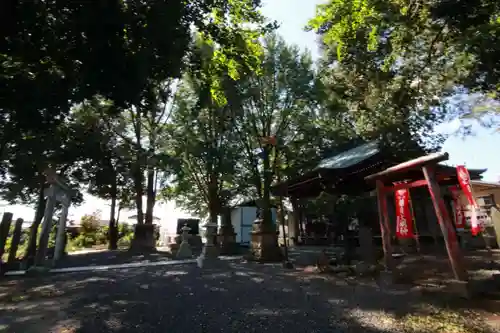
x=126 y=240
x=102 y=235
x=125 y=235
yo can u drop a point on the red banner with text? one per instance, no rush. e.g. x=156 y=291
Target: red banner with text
x=404 y=223
x=458 y=207
x=464 y=182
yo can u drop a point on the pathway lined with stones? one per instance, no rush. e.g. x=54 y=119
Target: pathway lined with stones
x=231 y=297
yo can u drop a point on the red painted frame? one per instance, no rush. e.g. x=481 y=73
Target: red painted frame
x=427 y=165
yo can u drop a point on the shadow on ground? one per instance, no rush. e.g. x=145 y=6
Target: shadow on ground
x=117 y=257
x=231 y=297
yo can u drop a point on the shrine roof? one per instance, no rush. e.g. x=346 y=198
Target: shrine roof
x=350 y=164
x=350 y=157
x=345 y=173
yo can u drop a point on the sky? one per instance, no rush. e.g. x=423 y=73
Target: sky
x=477 y=151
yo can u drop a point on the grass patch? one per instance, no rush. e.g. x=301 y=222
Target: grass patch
x=444 y=320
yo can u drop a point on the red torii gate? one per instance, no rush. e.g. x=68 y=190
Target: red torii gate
x=427 y=165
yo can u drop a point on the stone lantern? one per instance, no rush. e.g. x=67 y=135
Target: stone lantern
x=184 y=250
x=210 y=249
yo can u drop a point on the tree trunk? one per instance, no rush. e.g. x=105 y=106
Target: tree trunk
x=266 y=193
x=30 y=253
x=113 y=226
x=138 y=177
x=213 y=200
x=296 y=218
x=144 y=233
x=118 y=216
x=150 y=196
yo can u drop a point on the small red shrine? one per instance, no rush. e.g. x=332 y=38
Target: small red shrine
x=423 y=171
x=372 y=166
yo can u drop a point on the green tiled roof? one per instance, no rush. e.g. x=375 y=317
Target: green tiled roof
x=350 y=157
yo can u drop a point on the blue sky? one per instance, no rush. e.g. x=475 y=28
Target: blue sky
x=479 y=151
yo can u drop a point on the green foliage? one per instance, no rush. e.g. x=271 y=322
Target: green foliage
x=396 y=61
x=279 y=101
x=92 y=234
x=47 y=65
x=131 y=96
x=202 y=137
x=23 y=243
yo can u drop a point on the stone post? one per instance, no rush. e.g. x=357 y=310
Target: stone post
x=227 y=236
x=184 y=250
x=4 y=231
x=61 y=230
x=16 y=238
x=46 y=226
x=210 y=250
x=264 y=242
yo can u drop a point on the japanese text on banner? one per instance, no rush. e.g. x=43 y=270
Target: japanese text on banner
x=464 y=181
x=404 y=223
x=459 y=209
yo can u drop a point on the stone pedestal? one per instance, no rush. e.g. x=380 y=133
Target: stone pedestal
x=227 y=240
x=184 y=251
x=144 y=238
x=210 y=251
x=264 y=243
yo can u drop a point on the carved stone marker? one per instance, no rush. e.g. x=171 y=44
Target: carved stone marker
x=210 y=249
x=184 y=250
x=227 y=237
x=264 y=242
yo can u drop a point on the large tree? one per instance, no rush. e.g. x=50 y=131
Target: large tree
x=202 y=139
x=57 y=53
x=105 y=158
x=276 y=102
x=399 y=60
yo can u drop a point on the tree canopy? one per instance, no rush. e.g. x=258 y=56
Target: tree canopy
x=162 y=100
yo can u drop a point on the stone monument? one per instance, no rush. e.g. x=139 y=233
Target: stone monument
x=194 y=237
x=264 y=241
x=210 y=251
x=184 y=251
x=227 y=237
x=144 y=238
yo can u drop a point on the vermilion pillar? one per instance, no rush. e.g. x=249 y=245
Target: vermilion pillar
x=450 y=238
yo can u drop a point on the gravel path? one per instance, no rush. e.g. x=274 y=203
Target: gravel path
x=232 y=297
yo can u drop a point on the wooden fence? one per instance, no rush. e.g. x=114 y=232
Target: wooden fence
x=15 y=240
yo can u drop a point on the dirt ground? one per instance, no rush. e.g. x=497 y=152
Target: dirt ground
x=149 y=298
x=229 y=297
